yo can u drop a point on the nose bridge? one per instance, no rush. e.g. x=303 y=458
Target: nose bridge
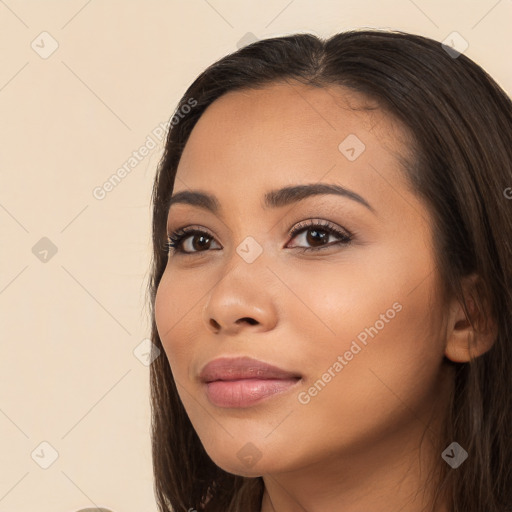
x=250 y=249
x=247 y=265
x=250 y=241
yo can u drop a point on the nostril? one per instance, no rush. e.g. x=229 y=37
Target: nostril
x=215 y=324
x=248 y=319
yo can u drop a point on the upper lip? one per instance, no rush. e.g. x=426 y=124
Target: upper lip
x=236 y=368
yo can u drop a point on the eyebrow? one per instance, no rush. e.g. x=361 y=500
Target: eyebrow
x=273 y=199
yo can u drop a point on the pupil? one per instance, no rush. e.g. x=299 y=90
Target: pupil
x=322 y=236
x=202 y=243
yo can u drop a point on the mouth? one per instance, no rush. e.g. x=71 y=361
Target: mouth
x=242 y=382
x=245 y=392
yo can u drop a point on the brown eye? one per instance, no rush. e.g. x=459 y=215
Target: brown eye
x=199 y=241
x=317 y=235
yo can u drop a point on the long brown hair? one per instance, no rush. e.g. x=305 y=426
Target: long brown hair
x=461 y=124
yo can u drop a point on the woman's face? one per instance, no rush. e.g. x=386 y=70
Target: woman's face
x=358 y=325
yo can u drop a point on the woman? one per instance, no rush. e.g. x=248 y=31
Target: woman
x=331 y=282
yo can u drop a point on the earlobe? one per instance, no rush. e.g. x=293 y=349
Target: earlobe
x=469 y=337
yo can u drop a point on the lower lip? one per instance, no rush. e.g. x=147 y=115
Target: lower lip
x=245 y=392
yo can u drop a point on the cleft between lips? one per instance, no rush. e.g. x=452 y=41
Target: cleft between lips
x=255 y=377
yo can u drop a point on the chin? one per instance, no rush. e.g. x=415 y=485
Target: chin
x=248 y=460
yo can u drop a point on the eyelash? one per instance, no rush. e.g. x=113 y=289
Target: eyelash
x=176 y=238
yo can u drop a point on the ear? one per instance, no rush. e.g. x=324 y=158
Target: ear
x=468 y=337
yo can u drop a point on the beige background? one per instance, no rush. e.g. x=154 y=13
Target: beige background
x=71 y=321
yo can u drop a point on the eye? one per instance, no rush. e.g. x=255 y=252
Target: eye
x=175 y=241
x=317 y=233
x=191 y=240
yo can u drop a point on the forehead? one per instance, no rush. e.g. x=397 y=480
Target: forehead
x=253 y=140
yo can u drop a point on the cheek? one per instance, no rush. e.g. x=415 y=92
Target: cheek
x=379 y=317
x=386 y=383
x=173 y=304
x=163 y=310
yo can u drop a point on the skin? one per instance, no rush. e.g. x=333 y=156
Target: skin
x=355 y=446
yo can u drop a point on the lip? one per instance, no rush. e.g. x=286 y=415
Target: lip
x=243 y=381
x=236 y=368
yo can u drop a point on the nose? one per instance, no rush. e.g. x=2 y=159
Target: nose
x=241 y=300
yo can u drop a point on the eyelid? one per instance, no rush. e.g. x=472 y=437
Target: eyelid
x=189 y=227
x=317 y=222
